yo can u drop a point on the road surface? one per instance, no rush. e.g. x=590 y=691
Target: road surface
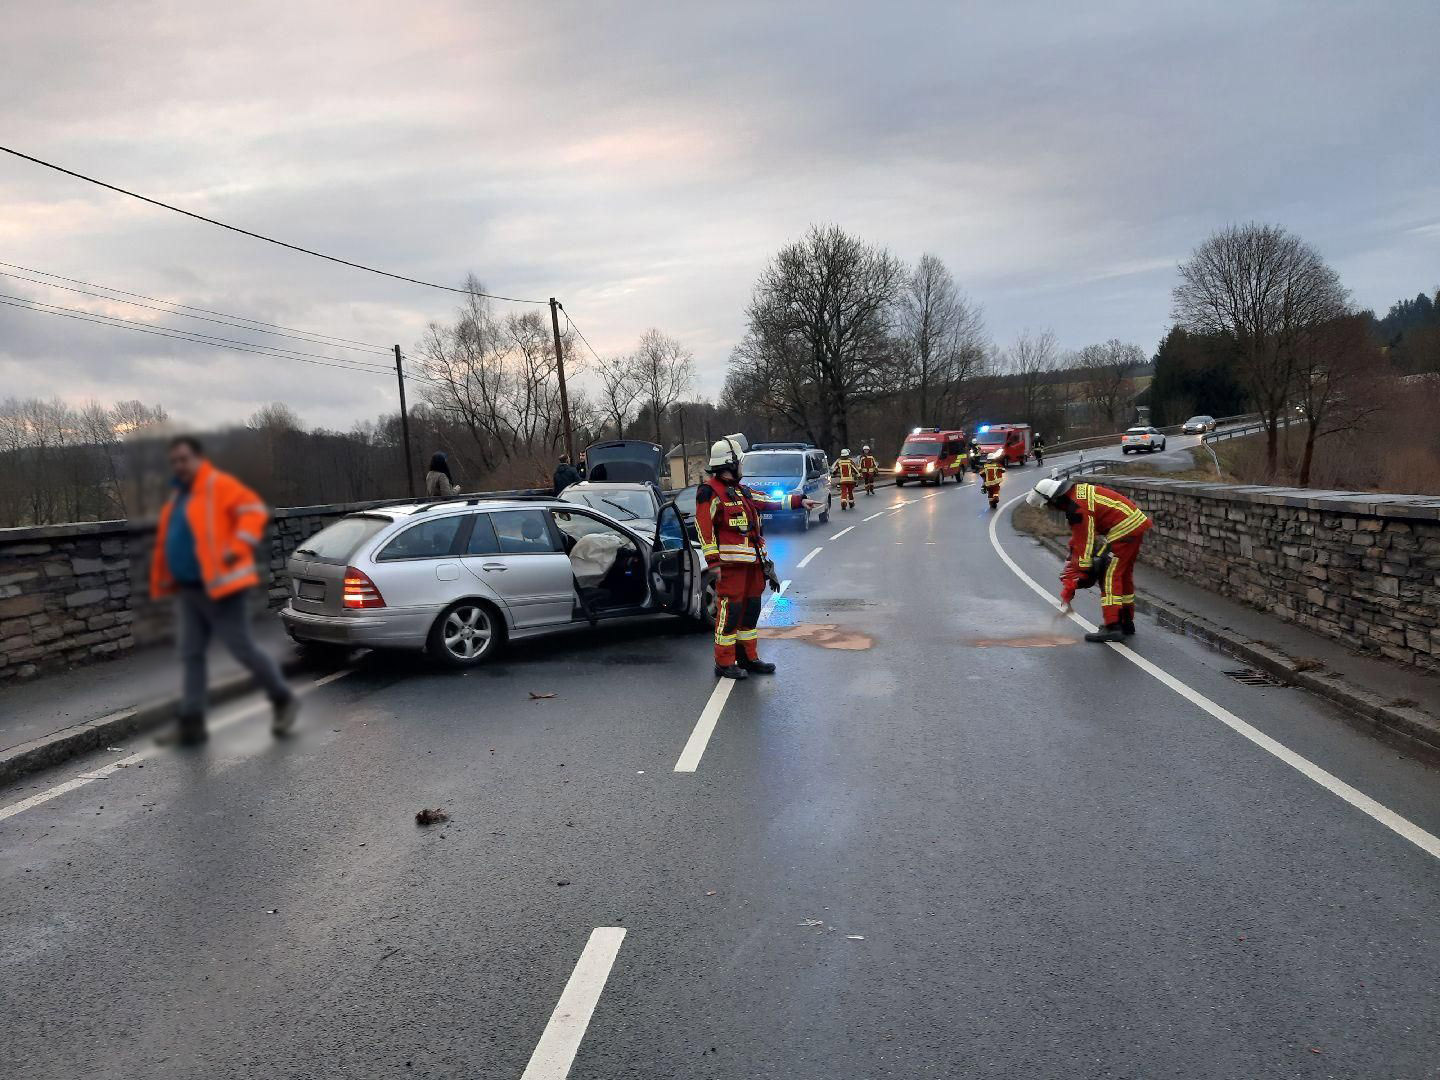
x=949 y=839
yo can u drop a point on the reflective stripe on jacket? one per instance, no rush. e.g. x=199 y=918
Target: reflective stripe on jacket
x=844 y=471
x=991 y=472
x=1104 y=514
x=227 y=520
x=869 y=466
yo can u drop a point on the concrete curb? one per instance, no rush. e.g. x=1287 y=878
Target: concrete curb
x=60 y=746
x=1408 y=729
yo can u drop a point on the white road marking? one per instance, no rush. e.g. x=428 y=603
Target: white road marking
x=805 y=561
x=872 y=517
x=842 y=532
x=931 y=495
x=1422 y=839
x=109 y=769
x=560 y=1041
x=699 y=739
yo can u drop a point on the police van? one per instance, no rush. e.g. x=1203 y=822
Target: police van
x=783 y=469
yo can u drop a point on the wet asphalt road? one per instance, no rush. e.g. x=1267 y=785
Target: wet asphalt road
x=969 y=844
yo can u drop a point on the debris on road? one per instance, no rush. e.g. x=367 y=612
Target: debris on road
x=541 y=696
x=854 y=937
x=562 y=884
x=431 y=817
x=1308 y=663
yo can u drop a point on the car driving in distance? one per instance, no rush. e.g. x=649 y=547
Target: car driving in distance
x=1141 y=438
x=1197 y=425
x=458 y=579
x=780 y=473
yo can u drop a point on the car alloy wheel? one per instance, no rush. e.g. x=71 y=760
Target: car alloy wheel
x=466 y=634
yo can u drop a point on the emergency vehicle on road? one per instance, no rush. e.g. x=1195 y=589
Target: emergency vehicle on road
x=930 y=455
x=1011 y=440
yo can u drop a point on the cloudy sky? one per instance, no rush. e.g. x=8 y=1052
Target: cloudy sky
x=641 y=162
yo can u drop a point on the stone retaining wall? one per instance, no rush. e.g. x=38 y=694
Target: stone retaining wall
x=73 y=594
x=1362 y=569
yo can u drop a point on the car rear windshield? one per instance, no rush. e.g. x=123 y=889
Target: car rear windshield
x=773 y=465
x=920 y=447
x=1138 y=431
x=336 y=543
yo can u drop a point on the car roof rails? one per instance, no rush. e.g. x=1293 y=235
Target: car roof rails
x=783 y=446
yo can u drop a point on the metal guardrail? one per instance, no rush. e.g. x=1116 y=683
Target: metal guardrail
x=1110 y=440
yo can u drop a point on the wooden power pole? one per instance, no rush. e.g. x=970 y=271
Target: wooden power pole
x=405 y=426
x=560 y=371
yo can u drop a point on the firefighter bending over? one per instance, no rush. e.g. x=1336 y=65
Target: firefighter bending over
x=990 y=474
x=869 y=467
x=728 y=518
x=844 y=471
x=1106 y=529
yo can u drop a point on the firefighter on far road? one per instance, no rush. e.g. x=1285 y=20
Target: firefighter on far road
x=844 y=472
x=869 y=467
x=990 y=475
x=1106 y=529
x=728 y=518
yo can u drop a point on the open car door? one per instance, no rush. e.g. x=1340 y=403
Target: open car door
x=672 y=562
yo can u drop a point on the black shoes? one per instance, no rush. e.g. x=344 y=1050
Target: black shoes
x=1109 y=632
x=184 y=733
x=732 y=671
x=758 y=667
x=283 y=720
x=1127 y=625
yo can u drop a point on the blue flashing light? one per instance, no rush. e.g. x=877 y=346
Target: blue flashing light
x=777 y=493
x=984 y=428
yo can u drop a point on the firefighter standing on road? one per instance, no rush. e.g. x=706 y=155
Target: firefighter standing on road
x=844 y=472
x=1105 y=527
x=728 y=518
x=869 y=467
x=990 y=474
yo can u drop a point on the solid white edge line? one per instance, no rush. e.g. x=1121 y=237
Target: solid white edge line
x=842 y=532
x=1425 y=841
x=770 y=601
x=813 y=552
x=560 y=1041
x=105 y=771
x=689 y=759
x=872 y=517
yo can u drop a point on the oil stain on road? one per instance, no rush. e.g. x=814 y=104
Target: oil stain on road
x=826 y=635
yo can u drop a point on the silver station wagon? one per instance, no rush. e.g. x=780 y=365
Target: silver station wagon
x=460 y=578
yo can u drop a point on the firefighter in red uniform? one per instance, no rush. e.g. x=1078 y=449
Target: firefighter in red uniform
x=728 y=518
x=869 y=468
x=844 y=472
x=990 y=474
x=1105 y=527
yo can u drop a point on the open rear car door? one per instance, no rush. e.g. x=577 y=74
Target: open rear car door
x=672 y=562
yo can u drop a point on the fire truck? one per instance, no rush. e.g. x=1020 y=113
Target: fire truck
x=929 y=455
x=1011 y=441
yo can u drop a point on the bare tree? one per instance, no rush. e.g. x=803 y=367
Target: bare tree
x=820 y=325
x=617 y=391
x=1108 y=380
x=1031 y=359
x=1266 y=290
x=1337 y=377
x=661 y=369
x=943 y=340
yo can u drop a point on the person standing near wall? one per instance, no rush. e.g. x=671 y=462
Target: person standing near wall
x=205 y=558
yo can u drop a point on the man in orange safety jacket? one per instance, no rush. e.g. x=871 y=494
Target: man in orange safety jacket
x=990 y=475
x=205 y=558
x=727 y=516
x=844 y=471
x=1106 y=529
x=869 y=468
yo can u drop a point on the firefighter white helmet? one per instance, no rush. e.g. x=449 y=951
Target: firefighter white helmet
x=864 y=449
x=845 y=452
x=725 y=452
x=1046 y=491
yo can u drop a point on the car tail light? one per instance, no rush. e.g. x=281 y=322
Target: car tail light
x=360 y=591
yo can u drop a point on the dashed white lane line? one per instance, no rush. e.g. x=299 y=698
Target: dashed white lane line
x=842 y=532
x=872 y=517
x=1422 y=839
x=560 y=1041
x=689 y=759
x=806 y=560
x=109 y=769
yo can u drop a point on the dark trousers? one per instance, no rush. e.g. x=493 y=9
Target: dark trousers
x=197 y=619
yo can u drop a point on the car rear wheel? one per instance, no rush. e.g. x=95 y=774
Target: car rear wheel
x=467 y=633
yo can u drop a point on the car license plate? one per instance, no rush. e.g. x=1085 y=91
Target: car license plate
x=768 y=517
x=312 y=590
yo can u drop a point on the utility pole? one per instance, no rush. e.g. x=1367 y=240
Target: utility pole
x=405 y=425
x=560 y=370
x=684 y=461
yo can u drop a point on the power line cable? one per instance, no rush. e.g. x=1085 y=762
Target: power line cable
x=301 y=336
x=260 y=236
x=570 y=325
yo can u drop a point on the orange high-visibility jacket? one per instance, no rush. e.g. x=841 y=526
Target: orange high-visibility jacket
x=728 y=519
x=991 y=472
x=868 y=465
x=844 y=470
x=1104 y=514
x=228 y=520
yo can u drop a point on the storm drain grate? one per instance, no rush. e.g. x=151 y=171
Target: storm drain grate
x=1250 y=677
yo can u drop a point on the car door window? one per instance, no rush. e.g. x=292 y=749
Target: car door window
x=522 y=532
x=482 y=537
x=432 y=539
